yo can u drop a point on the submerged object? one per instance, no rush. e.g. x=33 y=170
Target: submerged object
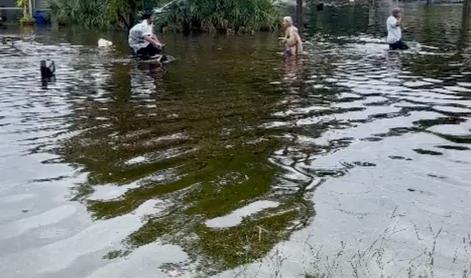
x=160 y=59
x=104 y=43
x=320 y=6
x=48 y=68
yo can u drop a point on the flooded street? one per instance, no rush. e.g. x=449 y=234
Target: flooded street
x=230 y=161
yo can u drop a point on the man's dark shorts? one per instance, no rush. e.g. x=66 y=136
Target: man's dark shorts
x=148 y=52
x=399 y=45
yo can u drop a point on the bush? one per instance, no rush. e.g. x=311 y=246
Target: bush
x=221 y=15
x=89 y=13
x=185 y=15
x=27 y=20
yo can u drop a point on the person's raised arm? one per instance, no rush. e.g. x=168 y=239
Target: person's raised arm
x=394 y=22
x=398 y=21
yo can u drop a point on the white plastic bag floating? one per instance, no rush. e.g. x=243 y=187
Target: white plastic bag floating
x=104 y=43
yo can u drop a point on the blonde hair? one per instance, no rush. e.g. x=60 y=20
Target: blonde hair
x=289 y=20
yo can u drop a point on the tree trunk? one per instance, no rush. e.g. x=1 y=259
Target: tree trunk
x=463 y=38
x=30 y=8
x=127 y=25
x=466 y=14
x=300 y=16
x=466 y=8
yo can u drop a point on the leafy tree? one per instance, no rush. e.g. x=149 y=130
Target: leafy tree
x=27 y=11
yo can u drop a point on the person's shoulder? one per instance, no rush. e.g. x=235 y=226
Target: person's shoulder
x=137 y=26
x=147 y=28
x=391 y=19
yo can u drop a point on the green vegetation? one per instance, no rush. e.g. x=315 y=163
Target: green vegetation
x=198 y=152
x=201 y=15
x=222 y=15
x=27 y=18
x=89 y=13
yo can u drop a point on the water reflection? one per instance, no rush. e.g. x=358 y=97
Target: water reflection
x=221 y=152
x=45 y=82
x=199 y=150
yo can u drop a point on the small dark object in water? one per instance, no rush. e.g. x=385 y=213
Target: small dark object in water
x=164 y=59
x=320 y=6
x=48 y=68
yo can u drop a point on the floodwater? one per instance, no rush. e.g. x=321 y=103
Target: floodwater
x=231 y=161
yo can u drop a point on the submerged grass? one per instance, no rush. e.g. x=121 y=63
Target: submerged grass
x=216 y=250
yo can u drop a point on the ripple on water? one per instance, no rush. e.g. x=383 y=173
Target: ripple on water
x=223 y=162
x=453 y=130
x=236 y=217
x=452 y=109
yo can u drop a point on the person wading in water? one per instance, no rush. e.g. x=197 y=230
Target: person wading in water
x=394 y=31
x=292 y=40
x=142 y=40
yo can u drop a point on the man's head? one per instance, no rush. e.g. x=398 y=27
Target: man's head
x=148 y=16
x=396 y=12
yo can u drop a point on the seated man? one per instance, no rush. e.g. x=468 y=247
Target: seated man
x=142 y=39
x=394 y=31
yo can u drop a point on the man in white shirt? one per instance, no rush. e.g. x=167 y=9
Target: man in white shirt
x=394 y=31
x=142 y=39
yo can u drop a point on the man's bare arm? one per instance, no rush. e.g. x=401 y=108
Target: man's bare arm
x=153 y=40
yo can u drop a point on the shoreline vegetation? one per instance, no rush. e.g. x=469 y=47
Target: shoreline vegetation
x=242 y=16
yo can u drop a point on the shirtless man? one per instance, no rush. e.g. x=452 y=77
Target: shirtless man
x=292 y=40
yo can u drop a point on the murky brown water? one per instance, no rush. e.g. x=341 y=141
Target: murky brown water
x=232 y=161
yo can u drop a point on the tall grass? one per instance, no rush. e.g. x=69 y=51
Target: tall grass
x=90 y=13
x=184 y=15
x=221 y=15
